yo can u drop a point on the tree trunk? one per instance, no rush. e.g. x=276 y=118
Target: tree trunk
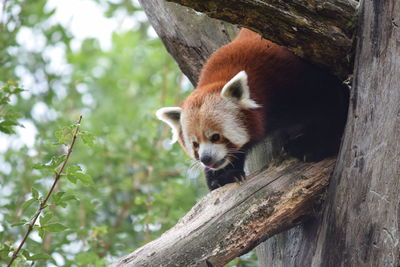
x=360 y=223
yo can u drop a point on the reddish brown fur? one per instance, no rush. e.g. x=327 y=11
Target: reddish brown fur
x=251 y=53
x=289 y=90
x=292 y=93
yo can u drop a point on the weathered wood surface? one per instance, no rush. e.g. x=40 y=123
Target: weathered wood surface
x=360 y=225
x=190 y=37
x=232 y=220
x=320 y=31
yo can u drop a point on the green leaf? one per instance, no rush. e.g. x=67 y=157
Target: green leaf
x=61 y=139
x=7 y=127
x=72 y=178
x=25 y=253
x=71 y=173
x=4 y=251
x=18 y=90
x=38 y=166
x=56 y=161
x=87 y=138
x=44 y=219
x=53 y=163
x=35 y=193
x=41 y=232
x=73 y=168
x=57 y=197
x=5 y=247
x=69 y=197
x=86 y=179
x=39 y=256
x=22 y=222
x=64 y=135
x=55 y=227
x=28 y=203
x=61 y=199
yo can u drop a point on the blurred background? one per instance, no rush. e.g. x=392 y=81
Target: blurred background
x=100 y=59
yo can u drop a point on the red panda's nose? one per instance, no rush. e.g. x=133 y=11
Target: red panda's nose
x=206 y=160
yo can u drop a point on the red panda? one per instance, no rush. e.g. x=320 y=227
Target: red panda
x=246 y=90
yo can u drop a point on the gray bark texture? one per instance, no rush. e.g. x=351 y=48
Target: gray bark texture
x=359 y=225
x=232 y=220
x=320 y=31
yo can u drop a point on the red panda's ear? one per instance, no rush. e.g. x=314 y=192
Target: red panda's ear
x=171 y=116
x=238 y=90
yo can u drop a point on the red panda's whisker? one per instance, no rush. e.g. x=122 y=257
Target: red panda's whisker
x=230 y=162
x=195 y=165
x=233 y=156
x=232 y=151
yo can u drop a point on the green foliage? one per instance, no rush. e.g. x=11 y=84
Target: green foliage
x=8 y=116
x=125 y=185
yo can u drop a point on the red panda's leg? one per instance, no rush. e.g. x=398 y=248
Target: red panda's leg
x=231 y=173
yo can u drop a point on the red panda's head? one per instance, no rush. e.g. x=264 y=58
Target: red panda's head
x=210 y=124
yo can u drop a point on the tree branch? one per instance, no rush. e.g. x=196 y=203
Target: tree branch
x=320 y=31
x=43 y=203
x=234 y=219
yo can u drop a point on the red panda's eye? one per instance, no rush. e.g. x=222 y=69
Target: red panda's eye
x=195 y=144
x=215 y=138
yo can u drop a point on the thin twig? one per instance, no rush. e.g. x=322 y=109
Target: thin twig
x=43 y=204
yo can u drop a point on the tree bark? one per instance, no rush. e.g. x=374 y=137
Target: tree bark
x=360 y=225
x=320 y=31
x=188 y=36
x=232 y=220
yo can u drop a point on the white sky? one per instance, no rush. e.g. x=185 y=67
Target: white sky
x=84 y=18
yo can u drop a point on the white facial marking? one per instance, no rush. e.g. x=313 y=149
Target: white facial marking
x=215 y=151
x=227 y=114
x=186 y=139
x=237 y=90
x=234 y=130
x=171 y=115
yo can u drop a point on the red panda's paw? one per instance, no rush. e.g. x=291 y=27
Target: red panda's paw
x=212 y=185
x=216 y=179
x=233 y=176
